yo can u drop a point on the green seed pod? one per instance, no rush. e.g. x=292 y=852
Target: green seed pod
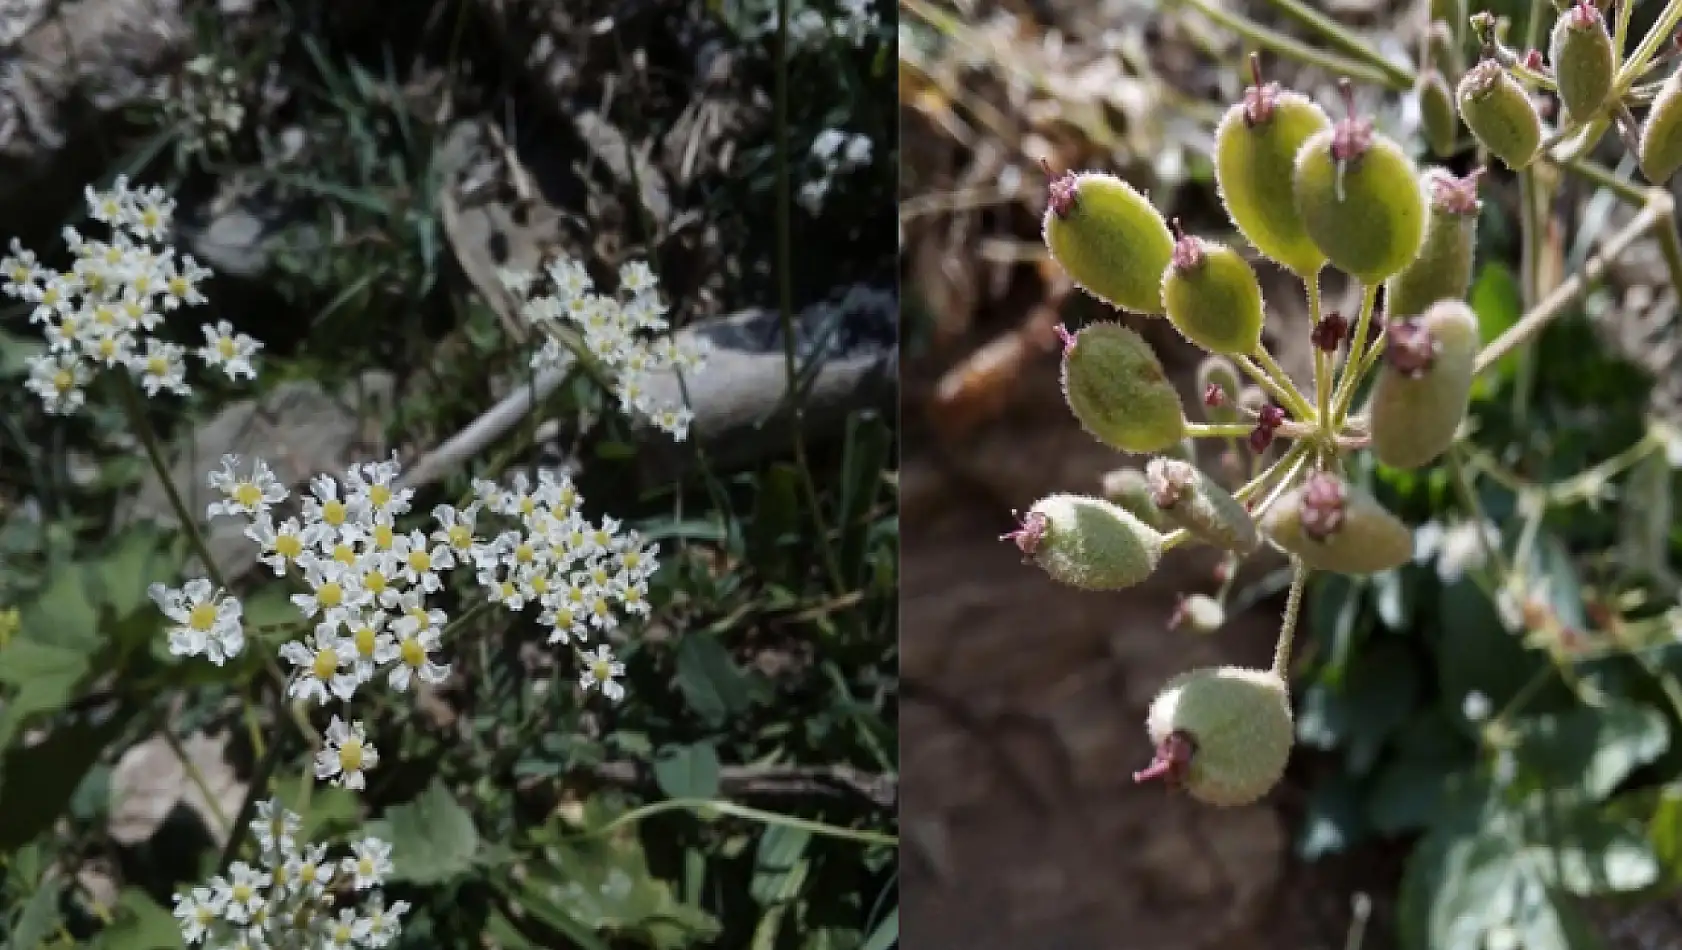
x=1223 y=734
x=1217 y=381
x=1117 y=390
x=1334 y=526
x=1128 y=488
x=1425 y=386
x=1443 y=51
x=1500 y=114
x=1188 y=499
x=1660 y=149
x=1109 y=239
x=1360 y=198
x=1255 y=149
x=1443 y=269
x=1436 y=112
x=1088 y=542
x=1212 y=296
x=1583 y=60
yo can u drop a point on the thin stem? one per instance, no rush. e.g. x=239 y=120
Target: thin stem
x=1344 y=40
x=1469 y=497
x=1286 y=398
x=1288 y=629
x=1291 y=47
x=136 y=411
x=247 y=808
x=196 y=776
x=1353 y=362
x=1656 y=37
x=1322 y=364
x=1285 y=382
x=1659 y=208
x=1223 y=430
x=705 y=805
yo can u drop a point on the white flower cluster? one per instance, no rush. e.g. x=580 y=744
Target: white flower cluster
x=835 y=153
x=367 y=583
x=853 y=22
x=287 y=901
x=202 y=104
x=101 y=313
x=631 y=338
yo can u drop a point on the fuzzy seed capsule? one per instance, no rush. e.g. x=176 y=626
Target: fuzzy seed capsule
x=1500 y=114
x=1361 y=200
x=1213 y=297
x=1443 y=269
x=1116 y=388
x=1109 y=239
x=1189 y=499
x=1425 y=386
x=1334 y=526
x=1660 y=150
x=1128 y=488
x=1087 y=542
x=1217 y=380
x=1223 y=734
x=1583 y=60
x=1255 y=149
x=1436 y=111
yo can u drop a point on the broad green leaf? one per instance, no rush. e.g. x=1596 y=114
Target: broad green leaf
x=1474 y=652
x=688 y=771
x=886 y=933
x=40 y=916
x=1380 y=688
x=1592 y=748
x=36 y=783
x=1334 y=820
x=710 y=680
x=1455 y=888
x=63 y=614
x=776 y=519
x=1428 y=772
x=46 y=678
x=779 y=857
x=1664 y=830
x=1498 y=302
x=432 y=838
x=126 y=572
x=139 y=924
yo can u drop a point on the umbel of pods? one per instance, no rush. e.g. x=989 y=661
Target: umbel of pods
x=1308 y=193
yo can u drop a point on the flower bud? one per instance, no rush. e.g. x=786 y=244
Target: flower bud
x=1088 y=542
x=1334 y=526
x=1116 y=388
x=1660 y=147
x=1255 y=149
x=1425 y=386
x=1583 y=60
x=1217 y=380
x=1360 y=198
x=1109 y=239
x=1436 y=112
x=1212 y=296
x=1500 y=114
x=1127 y=487
x=1222 y=734
x=1443 y=269
x=1188 y=499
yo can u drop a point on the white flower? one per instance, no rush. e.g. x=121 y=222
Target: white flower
x=282 y=544
x=198 y=912
x=384 y=923
x=348 y=754
x=345 y=932
x=334 y=592
x=207 y=621
x=1458 y=548
x=412 y=650
x=229 y=351
x=244 y=893
x=372 y=487
x=317 y=674
x=1475 y=706
x=274 y=827
x=421 y=565
x=326 y=507
x=371 y=864
x=455 y=528
x=601 y=671
x=310 y=872
x=253 y=495
x=162 y=367
x=367 y=642
x=58 y=380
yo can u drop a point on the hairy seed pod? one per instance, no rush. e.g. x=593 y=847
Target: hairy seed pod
x=1256 y=145
x=1361 y=199
x=1213 y=297
x=1223 y=734
x=1128 y=488
x=1109 y=239
x=1116 y=388
x=1436 y=112
x=1660 y=150
x=1334 y=526
x=1425 y=385
x=1500 y=114
x=1087 y=542
x=1444 y=52
x=1583 y=60
x=1443 y=269
x=1217 y=380
x=1191 y=500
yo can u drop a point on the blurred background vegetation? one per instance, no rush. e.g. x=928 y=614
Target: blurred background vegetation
x=354 y=174
x=1463 y=780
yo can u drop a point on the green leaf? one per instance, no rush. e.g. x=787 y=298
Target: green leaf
x=1497 y=299
x=63 y=614
x=1475 y=652
x=36 y=783
x=139 y=924
x=1592 y=748
x=710 y=680
x=865 y=454
x=688 y=771
x=776 y=519
x=1428 y=773
x=1664 y=831
x=331 y=811
x=1380 y=689
x=432 y=838
x=886 y=933
x=1334 y=821
x=1590 y=855
x=1456 y=887
x=46 y=678
x=126 y=572
x=778 y=868
x=40 y=917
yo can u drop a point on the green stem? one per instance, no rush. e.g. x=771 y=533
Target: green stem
x=1322 y=361
x=1285 y=382
x=1474 y=507
x=1288 y=629
x=135 y=408
x=1291 y=47
x=1346 y=41
x=1223 y=430
x=1656 y=37
x=196 y=776
x=1287 y=398
x=705 y=805
x=1352 y=364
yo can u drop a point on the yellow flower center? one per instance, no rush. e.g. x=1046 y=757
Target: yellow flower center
x=202 y=617
x=384 y=537
x=288 y=546
x=540 y=584
x=420 y=617
x=107 y=348
x=600 y=607
x=142 y=283
x=204 y=916
x=178 y=286
x=344 y=553
x=150 y=219
x=63 y=381
x=248 y=494
x=325 y=665
x=105 y=315
x=413 y=653
x=380 y=495
x=528 y=505
x=365 y=638
x=330 y=594
x=157 y=366
x=241 y=892
x=225 y=347
x=563 y=617
x=601 y=670
x=631 y=560
x=420 y=561
x=460 y=537
x=524 y=553
x=350 y=755
x=333 y=512
x=20 y=274
x=633 y=596
x=50 y=297
x=375 y=581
